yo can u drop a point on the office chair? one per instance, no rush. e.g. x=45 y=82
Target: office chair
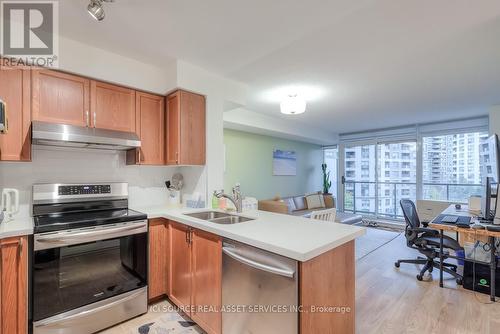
x=426 y=241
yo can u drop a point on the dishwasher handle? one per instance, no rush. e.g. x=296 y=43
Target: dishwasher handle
x=257 y=265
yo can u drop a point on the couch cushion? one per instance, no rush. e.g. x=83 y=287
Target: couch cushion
x=348 y=218
x=290 y=203
x=315 y=201
x=300 y=203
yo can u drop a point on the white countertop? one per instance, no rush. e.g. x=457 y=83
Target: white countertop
x=19 y=226
x=298 y=238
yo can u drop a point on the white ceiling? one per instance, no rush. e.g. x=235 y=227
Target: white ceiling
x=370 y=64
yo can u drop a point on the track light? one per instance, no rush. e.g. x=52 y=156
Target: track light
x=96 y=9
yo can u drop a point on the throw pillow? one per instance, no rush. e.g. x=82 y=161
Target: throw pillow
x=315 y=201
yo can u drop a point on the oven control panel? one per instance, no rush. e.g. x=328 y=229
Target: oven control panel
x=90 y=189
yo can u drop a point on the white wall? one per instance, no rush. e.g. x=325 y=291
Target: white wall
x=90 y=61
x=495 y=119
x=218 y=91
x=250 y=121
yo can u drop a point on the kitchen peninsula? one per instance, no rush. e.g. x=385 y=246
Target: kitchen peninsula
x=324 y=252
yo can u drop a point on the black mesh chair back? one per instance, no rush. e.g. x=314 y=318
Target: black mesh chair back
x=411 y=217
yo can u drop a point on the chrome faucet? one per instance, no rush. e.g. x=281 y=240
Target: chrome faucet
x=236 y=199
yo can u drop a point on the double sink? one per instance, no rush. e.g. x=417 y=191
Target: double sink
x=219 y=217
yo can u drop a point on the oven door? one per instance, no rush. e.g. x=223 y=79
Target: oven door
x=75 y=268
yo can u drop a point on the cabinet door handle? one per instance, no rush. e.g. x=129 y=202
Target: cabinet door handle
x=94 y=118
x=176 y=157
x=87 y=118
x=187 y=236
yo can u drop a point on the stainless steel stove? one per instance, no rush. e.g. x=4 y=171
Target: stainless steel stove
x=89 y=260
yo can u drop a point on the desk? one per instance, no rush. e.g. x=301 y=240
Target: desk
x=464 y=211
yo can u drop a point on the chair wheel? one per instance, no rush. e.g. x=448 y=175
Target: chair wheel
x=420 y=277
x=396 y=264
x=459 y=281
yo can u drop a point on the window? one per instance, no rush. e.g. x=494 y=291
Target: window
x=388 y=170
x=440 y=157
x=330 y=158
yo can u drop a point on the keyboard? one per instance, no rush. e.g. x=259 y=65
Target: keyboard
x=460 y=221
x=449 y=219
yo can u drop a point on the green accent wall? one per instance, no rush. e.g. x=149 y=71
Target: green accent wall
x=249 y=161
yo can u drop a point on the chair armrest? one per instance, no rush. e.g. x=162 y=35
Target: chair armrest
x=425 y=224
x=425 y=230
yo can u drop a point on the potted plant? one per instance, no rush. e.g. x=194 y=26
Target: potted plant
x=326 y=180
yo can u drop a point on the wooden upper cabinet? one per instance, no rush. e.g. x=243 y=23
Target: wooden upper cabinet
x=186 y=129
x=60 y=98
x=207 y=281
x=150 y=122
x=14 y=285
x=173 y=129
x=158 y=258
x=112 y=107
x=15 y=92
x=180 y=265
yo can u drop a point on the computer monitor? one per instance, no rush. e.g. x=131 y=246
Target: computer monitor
x=489 y=153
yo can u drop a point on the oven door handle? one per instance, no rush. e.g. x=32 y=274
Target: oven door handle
x=87 y=236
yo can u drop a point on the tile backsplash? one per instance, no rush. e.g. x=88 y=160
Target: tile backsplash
x=54 y=165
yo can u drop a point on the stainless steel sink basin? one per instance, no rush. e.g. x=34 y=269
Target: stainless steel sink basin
x=231 y=219
x=208 y=215
x=219 y=217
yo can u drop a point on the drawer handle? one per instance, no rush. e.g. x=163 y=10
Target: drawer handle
x=257 y=265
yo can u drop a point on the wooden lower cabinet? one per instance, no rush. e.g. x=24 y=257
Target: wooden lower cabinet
x=328 y=280
x=158 y=258
x=207 y=281
x=13 y=285
x=195 y=275
x=180 y=265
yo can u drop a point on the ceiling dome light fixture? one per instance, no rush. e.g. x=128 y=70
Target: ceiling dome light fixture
x=96 y=9
x=293 y=105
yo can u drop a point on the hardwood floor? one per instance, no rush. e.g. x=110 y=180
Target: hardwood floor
x=390 y=300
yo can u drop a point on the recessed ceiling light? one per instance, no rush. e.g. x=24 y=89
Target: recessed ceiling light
x=293 y=105
x=96 y=9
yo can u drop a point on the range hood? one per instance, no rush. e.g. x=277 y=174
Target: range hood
x=62 y=135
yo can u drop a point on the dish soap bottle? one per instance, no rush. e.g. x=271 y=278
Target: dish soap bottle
x=215 y=201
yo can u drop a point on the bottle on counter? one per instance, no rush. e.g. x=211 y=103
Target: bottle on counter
x=215 y=201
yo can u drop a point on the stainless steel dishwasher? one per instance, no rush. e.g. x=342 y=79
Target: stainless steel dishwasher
x=259 y=291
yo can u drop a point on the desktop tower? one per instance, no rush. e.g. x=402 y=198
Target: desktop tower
x=482 y=281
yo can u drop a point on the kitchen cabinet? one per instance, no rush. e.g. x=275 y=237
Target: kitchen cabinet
x=158 y=258
x=150 y=122
x=180 y=265
x=60 y=98
x=196 y=274
x=185 y=129
x=207 y=277
x=13 y=285
x=15 y=92
x=112 y=107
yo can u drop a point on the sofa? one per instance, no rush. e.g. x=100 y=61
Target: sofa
x=297 y=206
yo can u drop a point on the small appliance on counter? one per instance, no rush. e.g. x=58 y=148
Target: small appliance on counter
x=89 y=258
x=9 y=205
x=174 y=187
